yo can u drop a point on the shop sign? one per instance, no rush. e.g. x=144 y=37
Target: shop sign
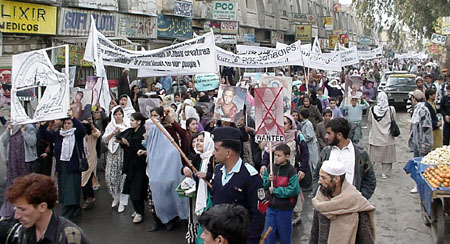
x=364 y=41
x=183 y=9
x=212 y=24
x=328 y=23
x=445 y=25
x=226 y=39
x=337 y=7
x=434 y=48
x=18 y=17
x=76 y=53
x=303 y=32
x=76 y=22
x=297 y=17
x=438 y=39
x=249 y=38
x=229 y=27
x=136 y=26
x=343 y=39
x=174 y=27
x=224 y=10
x=332 y=41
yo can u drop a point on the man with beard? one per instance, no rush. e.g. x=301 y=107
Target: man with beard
x=235 y=181
x=341 y=213
x=358 y=168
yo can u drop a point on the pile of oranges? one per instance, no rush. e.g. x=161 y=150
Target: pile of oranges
x=438 y=176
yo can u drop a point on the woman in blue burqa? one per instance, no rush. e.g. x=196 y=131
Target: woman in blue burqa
x=163 y=170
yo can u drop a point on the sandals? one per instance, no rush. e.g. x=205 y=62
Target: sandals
x=88 y=205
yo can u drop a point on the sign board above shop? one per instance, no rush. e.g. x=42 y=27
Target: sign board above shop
x=228 y=27
x=307 y=18
x=224 y=10
x=183 y=8
x=29 y=18
x=303 y=33
x=225 y=39
x=438 y=39
x=76 y=22
x=136 y=26
x=174 y=27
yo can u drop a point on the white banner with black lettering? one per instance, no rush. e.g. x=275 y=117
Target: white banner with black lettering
x=196 y=55
x=372 y=54
x=349 y=56
x=288 y=55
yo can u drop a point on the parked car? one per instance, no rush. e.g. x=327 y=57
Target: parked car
x=385 y=77
x=397 y=88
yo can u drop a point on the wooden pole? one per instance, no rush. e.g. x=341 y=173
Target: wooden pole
x=265 y=235
x=270 y=161
x=179 y=149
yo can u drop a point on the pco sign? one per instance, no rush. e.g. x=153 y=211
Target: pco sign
x=223 y=6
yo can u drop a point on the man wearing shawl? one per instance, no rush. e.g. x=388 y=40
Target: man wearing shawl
x=163 y=170
x=342 y=215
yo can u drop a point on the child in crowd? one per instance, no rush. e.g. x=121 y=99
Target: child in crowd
x=322 y=98
x=336 y=111
x=283 y=196
x=354 y=117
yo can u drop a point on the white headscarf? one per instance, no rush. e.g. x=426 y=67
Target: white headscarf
x=382 y=105
x=202 y=192
x=112 y=144
x=128 y=110
x=68 y=143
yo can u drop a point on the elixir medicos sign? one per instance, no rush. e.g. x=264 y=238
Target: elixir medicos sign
x=224 y=10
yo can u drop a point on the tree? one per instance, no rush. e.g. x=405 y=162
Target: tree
x=417 y=18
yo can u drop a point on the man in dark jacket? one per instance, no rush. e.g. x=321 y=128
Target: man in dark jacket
x=124 y=83
x=445 y=111
x=359 y=169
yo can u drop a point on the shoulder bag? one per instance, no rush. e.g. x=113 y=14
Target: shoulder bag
x=394 y=130
x=83 y=164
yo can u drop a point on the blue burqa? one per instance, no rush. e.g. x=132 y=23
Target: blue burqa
x=163 y=170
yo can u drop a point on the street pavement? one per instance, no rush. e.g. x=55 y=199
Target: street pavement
x=398 y=214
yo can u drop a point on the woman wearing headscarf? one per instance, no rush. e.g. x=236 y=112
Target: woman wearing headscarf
x=127 y=105
x=68 y=143
x=114 y=177
x=20 y=143
x=203 y=145
x=381 y=142
x=136 y=181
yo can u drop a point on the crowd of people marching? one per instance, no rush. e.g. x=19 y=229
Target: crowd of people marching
x=320 y=157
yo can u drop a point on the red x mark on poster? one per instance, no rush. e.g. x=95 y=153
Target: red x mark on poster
x=269 y=113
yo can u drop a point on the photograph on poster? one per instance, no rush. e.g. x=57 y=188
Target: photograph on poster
x=147 y=104
x=230 y=103
x=81 y=103
x=269 y=114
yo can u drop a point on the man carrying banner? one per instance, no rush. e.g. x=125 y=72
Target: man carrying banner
x=236 y=181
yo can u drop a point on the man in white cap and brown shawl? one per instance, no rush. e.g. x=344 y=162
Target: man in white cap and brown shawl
x=341 y=214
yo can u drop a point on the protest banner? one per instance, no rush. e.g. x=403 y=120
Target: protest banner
x=269 y=118
x=288 y=55
x=81 y=103
x=252 y=50
x=365 y=55
x=230 y=103
x=31 y=71
x=207 y=108
x=279 y=81
x=206 y=82
x=196 y=55
x=349 y=56
x=147 y=104
x=325 y=61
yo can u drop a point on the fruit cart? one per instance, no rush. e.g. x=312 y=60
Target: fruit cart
x=434 y=196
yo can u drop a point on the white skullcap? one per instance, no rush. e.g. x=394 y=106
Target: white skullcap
x=333 y=167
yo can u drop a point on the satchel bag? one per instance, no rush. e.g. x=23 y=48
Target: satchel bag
x=394 y=130
x=83 y=164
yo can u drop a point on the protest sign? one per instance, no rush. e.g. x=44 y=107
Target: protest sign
x=196 y=55
x=269 y=118
x=325 y=61
x=31 y=71
x=365 y=55
x=207 y=108
x=230 y=103
x=349 y=56
x=279 y=81
x=288 y=55
x=253 y=78
x=147 y=104
x=81 y=103
x=206 y=82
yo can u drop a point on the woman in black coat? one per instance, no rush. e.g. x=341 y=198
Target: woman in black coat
x=136 y=182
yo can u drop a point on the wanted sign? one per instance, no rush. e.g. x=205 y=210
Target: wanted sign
x=269 y=114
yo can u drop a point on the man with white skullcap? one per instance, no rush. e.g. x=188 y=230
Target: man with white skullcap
x=341 y=213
